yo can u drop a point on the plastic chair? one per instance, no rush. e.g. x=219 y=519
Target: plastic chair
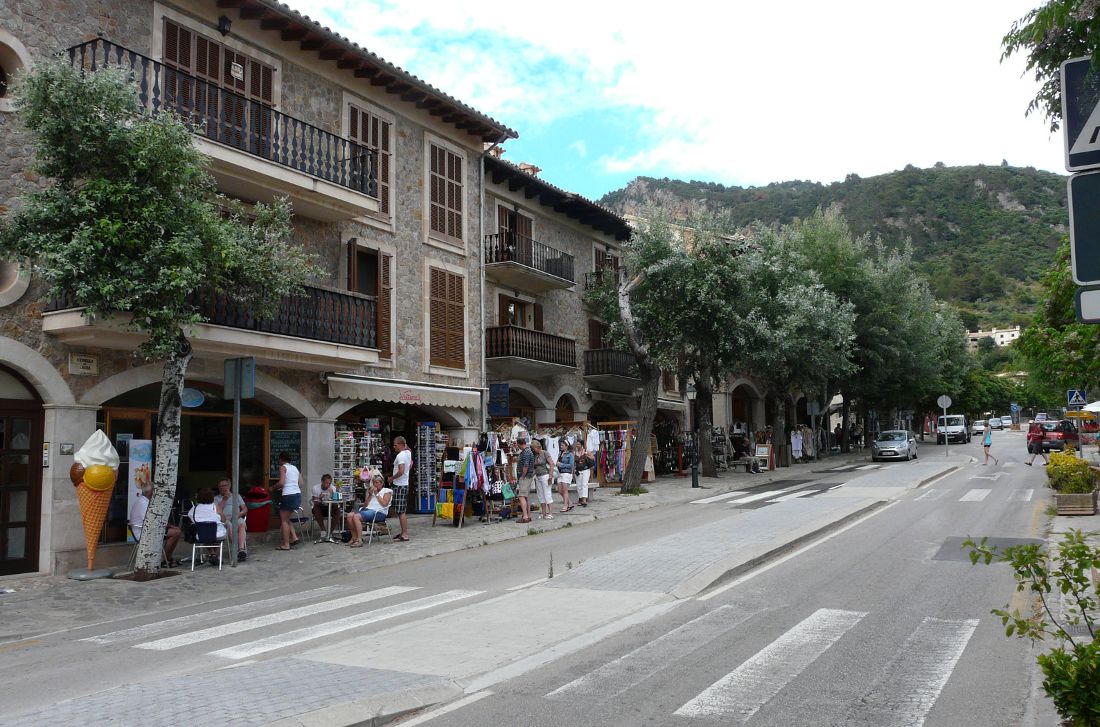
x=206 y=538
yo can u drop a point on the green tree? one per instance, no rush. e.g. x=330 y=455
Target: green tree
x=1049 y=35
x=129 y=224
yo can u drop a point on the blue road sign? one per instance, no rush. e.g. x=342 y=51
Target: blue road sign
x=1081 y=114
x=1014 y=407
x=1076 y=397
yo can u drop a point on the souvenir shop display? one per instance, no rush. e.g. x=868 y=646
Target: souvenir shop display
x=721 y=449
x=616 y=445
x=358 y=452
x=428 y=456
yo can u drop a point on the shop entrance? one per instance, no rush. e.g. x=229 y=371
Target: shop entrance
x=20 y=474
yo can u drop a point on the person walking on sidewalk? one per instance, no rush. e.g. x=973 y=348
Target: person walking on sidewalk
x=565 y=473
x=289 y=501
x=582 y=465
x=987 y=442
x=525 y=478
x=1035 y=443
x=544 y=467
x=399 y=483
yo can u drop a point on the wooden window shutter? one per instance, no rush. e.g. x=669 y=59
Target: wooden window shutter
x=456 y=325
x=437 y=191
x=502 y=309
x=595 y=334
x=177 y=45
x=523 y=226
x=437 y=317
x=353 y=265
x=504 y=219
x=538 y=316
x=385 y=293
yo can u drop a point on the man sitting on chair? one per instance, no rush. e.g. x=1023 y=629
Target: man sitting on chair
x=138 y=512
x=320 y=495
x=222 y=504
x=203 y=511
x=378 y=504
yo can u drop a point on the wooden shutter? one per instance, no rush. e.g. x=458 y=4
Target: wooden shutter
x=445 y=192
x=374 y=133
x=177 y=45
x=523 y=226
x=353 y=265
x=502 y=309
x=385 y=293
x=595 y=334
x=437 y=192
x=538 y=316
x=454 y=196
x=437 y=317
x=456 y=325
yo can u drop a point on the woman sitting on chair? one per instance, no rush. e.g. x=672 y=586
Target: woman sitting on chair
x=378 y=504
x=204 y=511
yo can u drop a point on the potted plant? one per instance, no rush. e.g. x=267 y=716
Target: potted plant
x=1074 y=484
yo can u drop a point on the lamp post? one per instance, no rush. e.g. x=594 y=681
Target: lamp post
x=695 y=439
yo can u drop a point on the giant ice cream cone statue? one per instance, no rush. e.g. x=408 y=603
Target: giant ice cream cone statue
x=94 y=475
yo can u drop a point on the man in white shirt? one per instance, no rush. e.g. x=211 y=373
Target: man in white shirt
x=402 y=465
x=138 y=512
x=320 y=495
x=222 y=504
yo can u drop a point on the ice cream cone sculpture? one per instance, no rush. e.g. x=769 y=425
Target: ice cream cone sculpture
x=94 y=474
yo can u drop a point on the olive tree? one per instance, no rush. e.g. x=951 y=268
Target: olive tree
x=127 y=223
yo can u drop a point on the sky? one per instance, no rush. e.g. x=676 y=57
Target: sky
x=739 y=93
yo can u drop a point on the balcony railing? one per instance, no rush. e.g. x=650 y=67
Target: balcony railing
x=235 y=120
x=512 y=341
x=318 y=314
x=510 y=247
x=609 y=362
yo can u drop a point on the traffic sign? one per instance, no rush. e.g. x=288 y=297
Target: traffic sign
x=1087 y=303
x=944 y=401
x=1084 y=227
x=1076 y=397
x=1014 y=407
x=1081 y=114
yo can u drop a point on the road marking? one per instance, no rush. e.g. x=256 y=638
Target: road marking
x=1021 y=495
x=995 y=476
x=236 y=627
x=915 y=676
x=446 y=709
x=793 y=495
x=764 y=569
x=932 y=494
x=20 y=644
x=765 y=495
x=869 y=467
x=317 y=631
x=836 y=486
x=975 y=496
x=521 y=586
x=583 y=641
x=746 y=689
x=716 y=498
x=206 y=617
x=618 y=676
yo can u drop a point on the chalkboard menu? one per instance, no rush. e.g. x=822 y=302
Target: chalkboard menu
x=284 y=440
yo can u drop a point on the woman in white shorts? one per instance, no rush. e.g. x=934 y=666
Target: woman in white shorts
x=544 y=467
x=582 y=469
x=565 y=473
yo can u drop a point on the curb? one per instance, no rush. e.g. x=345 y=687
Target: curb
x=383 y=709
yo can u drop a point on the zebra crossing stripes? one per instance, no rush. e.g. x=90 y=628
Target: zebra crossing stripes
x=930 y=494
x=975 y=495
x=765 y=495
x=741 y=693
x=915 y=676
x=271 y=619
x=716 y=498
x=1021 y=495
x=619 y=676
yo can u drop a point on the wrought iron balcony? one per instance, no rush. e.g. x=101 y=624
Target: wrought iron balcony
x=237 y=121
x=319 y=314
x=532 y=347
x=526 y=263
x=610 y=362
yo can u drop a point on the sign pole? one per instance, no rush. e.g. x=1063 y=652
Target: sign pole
x=945 y=401
x=237 y=376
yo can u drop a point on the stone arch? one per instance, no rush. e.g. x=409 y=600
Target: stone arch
x=532 y=393
x=569 y=391
x=37 y=370
x=271 y=392
x=748 y=384
x=449 y=417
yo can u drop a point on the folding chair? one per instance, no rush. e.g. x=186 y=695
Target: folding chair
x=302 y=520
x=206 y=538
x=375 y=528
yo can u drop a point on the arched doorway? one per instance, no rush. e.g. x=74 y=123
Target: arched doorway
x=564 y=411
x=602 y=411
x=21 y=420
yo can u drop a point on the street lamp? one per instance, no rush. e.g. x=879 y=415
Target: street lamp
x=695 y=438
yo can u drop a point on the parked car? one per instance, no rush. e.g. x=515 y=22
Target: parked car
x=996 y=423
x=1055 y=433
x=1041 y=416
x=978 y=427
x=1006 y=421
x=953 y=428
x=894 y=444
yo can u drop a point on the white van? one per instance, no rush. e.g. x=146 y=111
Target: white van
x=953 y=428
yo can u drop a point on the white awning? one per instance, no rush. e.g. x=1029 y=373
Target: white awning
x=363 y=389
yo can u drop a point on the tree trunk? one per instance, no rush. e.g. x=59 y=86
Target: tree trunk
x=167 y=464
x=704 y=402
x=845 y=415
x=651 y=383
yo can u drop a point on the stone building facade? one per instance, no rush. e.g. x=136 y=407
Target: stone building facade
x=368 y=210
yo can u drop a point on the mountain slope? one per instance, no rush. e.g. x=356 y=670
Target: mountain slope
x=982 y=235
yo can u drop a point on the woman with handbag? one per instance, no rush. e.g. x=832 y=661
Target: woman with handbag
x=544 y=467
x=582 y=468
x=565 y=473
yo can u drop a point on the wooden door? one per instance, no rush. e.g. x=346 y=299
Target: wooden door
x=20 y=485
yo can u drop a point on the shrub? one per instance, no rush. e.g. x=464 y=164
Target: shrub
x=1068 y=474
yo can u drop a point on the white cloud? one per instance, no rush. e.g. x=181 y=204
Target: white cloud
x=738 y=92
x=580 y=147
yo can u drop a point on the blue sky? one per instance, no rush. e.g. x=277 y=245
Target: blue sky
x=737 y=93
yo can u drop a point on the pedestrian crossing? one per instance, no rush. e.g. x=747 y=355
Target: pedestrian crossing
x=978 y=494
x=907 y=685
x=213 y=629
x=779 y=491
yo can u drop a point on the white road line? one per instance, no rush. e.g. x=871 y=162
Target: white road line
x=521 y=586
x=618 y=676
x=764 y=569
x=583 y=641
x=738 y=695
x=317 y=631
x=793 y=495
x=931 y=494
x=236 y=627
x=445 y=709
x=836 y=486
x=869 y=467
x=1021 y=495
x=975 y=496
x=915 y=676
x=185 y=622
x=842 y=468
x=765 y=495
x=716 y=498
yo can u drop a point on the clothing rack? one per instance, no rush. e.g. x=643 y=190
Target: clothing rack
x=616 y=443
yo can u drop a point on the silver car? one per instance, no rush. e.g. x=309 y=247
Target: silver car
x=894 y=444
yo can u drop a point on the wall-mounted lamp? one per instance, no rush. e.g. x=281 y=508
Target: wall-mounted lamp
x=224 y=24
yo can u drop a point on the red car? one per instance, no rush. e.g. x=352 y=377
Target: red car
x=1053 y=434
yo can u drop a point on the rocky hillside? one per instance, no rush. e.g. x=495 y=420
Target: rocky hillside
x=982 y=235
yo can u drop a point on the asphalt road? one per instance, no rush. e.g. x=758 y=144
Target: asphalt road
x=886 y=623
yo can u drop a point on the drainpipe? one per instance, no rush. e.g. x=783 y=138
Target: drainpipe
x=481 y=258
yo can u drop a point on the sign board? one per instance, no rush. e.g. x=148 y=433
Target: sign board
x=1076 y=397
x=1081 y=114
x=1084 y=227
x=283 y=440
x=944 y=402
x=82 y=364
x=498 y=400
x=247 y=383
x=1014 y=407
x=1087 y=302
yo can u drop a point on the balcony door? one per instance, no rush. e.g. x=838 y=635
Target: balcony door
x=370 y=272
x=515 y=234
x=20 y=475
x=519 y=313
